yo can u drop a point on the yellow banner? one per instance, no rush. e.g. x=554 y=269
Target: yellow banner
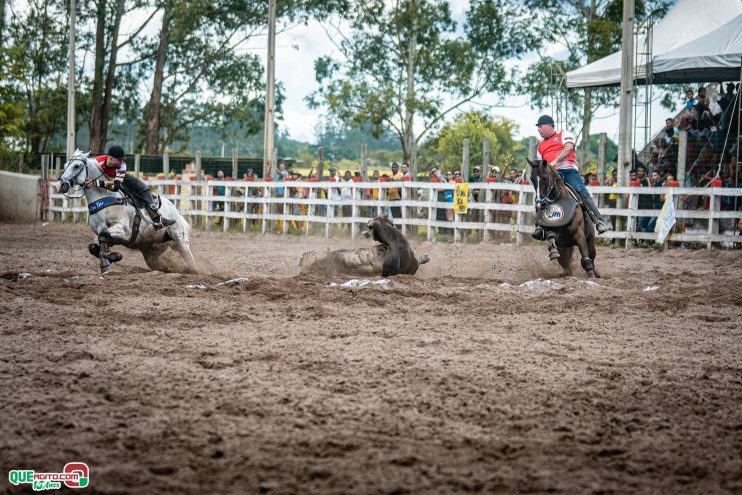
x=461 y=198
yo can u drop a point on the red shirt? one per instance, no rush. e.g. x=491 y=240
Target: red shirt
x=111 y=172
x=549 y=148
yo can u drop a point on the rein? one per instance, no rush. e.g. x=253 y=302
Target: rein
x=72 y=179
x=546 y=198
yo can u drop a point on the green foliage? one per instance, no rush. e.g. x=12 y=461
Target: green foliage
x=382 y=83
x=447 y=145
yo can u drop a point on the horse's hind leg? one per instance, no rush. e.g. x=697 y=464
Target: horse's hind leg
x=585 y=261
x=182 y=243
x=591 y=251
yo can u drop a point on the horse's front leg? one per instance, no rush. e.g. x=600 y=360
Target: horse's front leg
x=551 y=236
x=107 y=237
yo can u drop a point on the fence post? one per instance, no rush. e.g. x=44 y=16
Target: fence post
x=465 y=161
x=166 y=165
x=197 y=169
x=265 y=209
x=206 y=188
x=403 y=198
x=20 y=163
x=58 y=167
x=432 y=198
x=601 y=167
x=630 y=223
x=226 y=209
x=714 y=209
x=520 y=217
x=310 y=210
x=235 y=168
x=354 y=210
x=682 y=157
x=330 y=213
x=137 y=159
x=320 y=163
x=284 y=211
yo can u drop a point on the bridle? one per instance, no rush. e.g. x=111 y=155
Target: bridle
x=71 y=180
x=542 y=201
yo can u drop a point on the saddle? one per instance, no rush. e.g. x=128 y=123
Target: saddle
x=560 y=213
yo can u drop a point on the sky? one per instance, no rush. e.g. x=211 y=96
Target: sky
x=298 y=46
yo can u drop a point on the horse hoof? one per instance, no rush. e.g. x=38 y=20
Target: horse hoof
x=94 y=249
x=114 y=257
x=590 y=274
x=553 y=255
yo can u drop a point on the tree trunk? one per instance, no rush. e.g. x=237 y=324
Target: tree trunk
x=410 y=155
x=2 y=22
x=96 y=145
x=108 y=94
x=155 y=101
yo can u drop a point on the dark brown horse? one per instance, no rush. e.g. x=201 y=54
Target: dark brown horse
x=565 y=223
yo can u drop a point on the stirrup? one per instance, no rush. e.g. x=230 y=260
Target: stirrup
x=602 y=227
x=539 y=234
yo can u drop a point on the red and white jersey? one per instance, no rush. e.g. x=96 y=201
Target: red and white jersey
x=111 y=172
x=549 y=148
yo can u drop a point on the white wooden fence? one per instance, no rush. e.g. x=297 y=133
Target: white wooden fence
x=258 y=203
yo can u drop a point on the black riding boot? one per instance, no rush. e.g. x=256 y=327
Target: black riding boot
x=140 y=190
x=593 y=211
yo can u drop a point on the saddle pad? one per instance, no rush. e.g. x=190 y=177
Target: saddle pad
x=558 y=214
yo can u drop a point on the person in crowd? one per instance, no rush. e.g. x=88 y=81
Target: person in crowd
x=448 y=196
x=671 y=133
x=393 y=193
x=405 y=170
x=558 y=149
x=690 y=101
x=726 y=103
x=219 y=191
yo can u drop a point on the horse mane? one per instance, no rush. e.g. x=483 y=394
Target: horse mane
x=559 y=184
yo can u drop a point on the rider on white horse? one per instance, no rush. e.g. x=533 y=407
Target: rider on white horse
x=115 y=178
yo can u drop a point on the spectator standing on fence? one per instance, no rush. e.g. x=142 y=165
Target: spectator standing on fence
x=393 y=193
x=558 y=149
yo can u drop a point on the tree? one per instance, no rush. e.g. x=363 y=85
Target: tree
x=404 y=61
x=476 y=126
x=200 y=76
x=36 y=41
x=586 y=30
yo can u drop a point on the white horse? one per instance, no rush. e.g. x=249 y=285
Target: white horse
x=117 y=221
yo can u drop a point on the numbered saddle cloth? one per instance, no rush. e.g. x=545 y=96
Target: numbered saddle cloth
x=559 y=213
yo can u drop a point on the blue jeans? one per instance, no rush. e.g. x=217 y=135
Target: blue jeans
x=573 y=178
x=646 y=224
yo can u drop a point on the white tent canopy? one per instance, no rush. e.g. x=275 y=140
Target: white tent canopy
x=716 y=56
x=686 y=21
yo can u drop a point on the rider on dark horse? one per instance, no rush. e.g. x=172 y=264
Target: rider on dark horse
x=558 y=149
x=114 y=170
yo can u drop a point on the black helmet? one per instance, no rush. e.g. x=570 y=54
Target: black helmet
x=116 y=152
x=545 y=119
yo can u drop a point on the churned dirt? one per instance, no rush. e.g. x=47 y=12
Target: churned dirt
x=455 y=380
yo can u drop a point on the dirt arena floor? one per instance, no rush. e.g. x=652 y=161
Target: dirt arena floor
x=455 y=380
